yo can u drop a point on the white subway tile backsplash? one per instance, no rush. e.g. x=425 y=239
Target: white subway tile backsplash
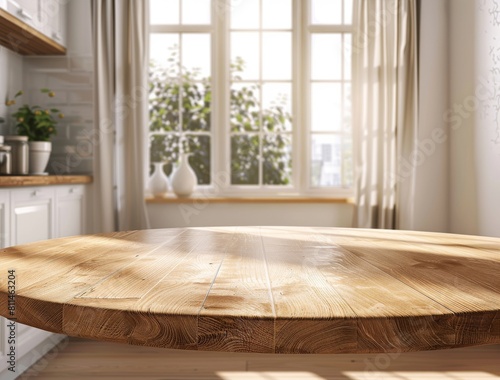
x=69 y=164
x=65 y=80
x=78 y=114
x=34 y=83
x=80 y=96
x=47 y=64
x=81 y=132
x=43 y=100
x=62 y=134
x=81 y=64
x=71 y=78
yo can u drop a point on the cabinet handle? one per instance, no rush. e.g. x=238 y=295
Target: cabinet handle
x=25 y=14
x=56 y=36
x=72 y=190
x=36 y=193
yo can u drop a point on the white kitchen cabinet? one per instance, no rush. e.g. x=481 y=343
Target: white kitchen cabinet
x=4 y=218
x=53 y=20
x=46 y=16
x=29 y=214
x=4 y=242
x=28 y=11
x=32 y=215
x=32 y=219
x=70 y=211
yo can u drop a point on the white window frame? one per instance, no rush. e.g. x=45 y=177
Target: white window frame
x=219 y=30
x=307 y=32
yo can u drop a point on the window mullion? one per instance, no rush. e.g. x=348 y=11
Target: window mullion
x=261 y=129
x=299 y=99
x=220 y=91
x=181 y=93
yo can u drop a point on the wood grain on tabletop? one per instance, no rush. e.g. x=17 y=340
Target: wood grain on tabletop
x=263 y=289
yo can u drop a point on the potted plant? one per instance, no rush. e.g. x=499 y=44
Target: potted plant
x=39 y=125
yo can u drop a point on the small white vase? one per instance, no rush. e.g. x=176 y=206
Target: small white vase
x=39 y=156
x=158 y=182
x=184 y=178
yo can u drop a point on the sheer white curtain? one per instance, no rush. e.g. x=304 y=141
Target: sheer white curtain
x=385 y=94
x=120 y=40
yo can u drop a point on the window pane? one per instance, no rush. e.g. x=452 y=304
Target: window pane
x=347 y=56
x=326 y=107
x=277 y=14
x=347 y=162
x=277 y=155
x=196 y=102
x=277 y=107
x=326 y=12
x=244 y=160
x=245 y=14
x=164 y=12
x=163 y=101
x=244 y=113
x=199 y=147
x=164 y=50
x=326 y=161
x=196 y=54
x=326 y=58
x=196 y=12
x=347 y=123
x=348 y=7
x=277 y=56
x=245 y=54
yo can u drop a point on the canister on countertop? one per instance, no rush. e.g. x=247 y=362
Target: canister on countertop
x=19 y=154
x=5 y=159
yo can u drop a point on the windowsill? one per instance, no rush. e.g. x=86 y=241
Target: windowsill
x=172 y=199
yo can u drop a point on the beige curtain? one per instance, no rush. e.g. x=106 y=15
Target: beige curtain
x=120 y=39
x=385 y=112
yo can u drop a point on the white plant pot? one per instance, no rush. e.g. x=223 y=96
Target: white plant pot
x=39 y=156
x=184 y=179
x=158 y=182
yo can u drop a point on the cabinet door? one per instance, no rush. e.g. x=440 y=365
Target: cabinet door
x=27 y=11
x=32 y=215
x=32 y=219
x=53 y=18
x=4 y=242
x=4 y=218
x=70 y=211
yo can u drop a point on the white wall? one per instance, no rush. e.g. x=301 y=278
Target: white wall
x=11 y=81
x=71 y=78
x=487 y=131
x=249 y=214
x=431 y=190
x=475 y=121
x=463 y=181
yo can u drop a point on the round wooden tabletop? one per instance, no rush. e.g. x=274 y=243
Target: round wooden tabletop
x=261 y=289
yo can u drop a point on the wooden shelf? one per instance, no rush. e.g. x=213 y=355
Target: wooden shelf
x=25 y=40
x=44 y=180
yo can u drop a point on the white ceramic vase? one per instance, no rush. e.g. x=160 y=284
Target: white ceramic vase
x=158 y=182
x=39 y=156
x=184 y=178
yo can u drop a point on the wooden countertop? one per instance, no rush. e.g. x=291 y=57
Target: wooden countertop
x=44 y=180
x=262 y=289
x=24 y=39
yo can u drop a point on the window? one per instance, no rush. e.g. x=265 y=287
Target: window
x=257 y=90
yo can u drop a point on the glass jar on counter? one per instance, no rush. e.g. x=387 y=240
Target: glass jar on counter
x=5 y=160
x=19 y=154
